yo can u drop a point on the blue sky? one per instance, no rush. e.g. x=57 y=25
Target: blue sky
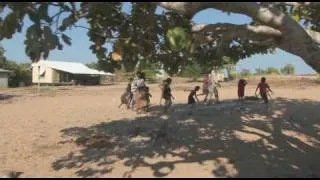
x=79 y=50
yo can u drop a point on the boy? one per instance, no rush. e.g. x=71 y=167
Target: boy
x=264 y=88
x=193 y=93
x=241 y=87
x=167 y=96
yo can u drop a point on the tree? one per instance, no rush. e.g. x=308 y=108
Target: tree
x=21 y=73
x=272 y=70
x=191 y=71
x=93 y=65
x=288 y=69
x=2 y=57
x=245 y=73
x=170 y=38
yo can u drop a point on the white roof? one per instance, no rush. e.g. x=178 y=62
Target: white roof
x=70 y=67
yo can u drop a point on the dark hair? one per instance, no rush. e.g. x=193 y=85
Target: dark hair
x=130 y=79
x=169 y=80
x=263 y=79
x=197 y=88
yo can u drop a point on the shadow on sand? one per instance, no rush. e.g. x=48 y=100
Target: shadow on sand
x=253 y=142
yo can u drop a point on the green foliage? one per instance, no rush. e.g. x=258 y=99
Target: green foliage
x=191 y=71
x=179 y=39
x=21 y=73
x=93 y=65
x=245 y=73
x=260 y=71
x=288 y=69
x=163 y=38
x=272 y=71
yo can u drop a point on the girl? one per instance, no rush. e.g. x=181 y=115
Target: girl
x=241 y=87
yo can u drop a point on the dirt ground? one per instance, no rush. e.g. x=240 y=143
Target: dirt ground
x=80 y=132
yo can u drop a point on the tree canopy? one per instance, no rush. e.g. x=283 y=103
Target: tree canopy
x=169 y=38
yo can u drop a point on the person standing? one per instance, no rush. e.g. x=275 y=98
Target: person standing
x=167 y=95
x=241 y=88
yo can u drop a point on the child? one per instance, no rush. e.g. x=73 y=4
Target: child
x=193 y=93
x=191 y=100
x=264 y=87
x=126 y=97
x=167 y=96
x=241 y=87
x=148 y=96
x=205 y=87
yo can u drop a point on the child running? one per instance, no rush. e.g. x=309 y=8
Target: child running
x=264 y=88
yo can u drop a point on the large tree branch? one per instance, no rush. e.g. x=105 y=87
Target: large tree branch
x=294 y=39
x=261 y=30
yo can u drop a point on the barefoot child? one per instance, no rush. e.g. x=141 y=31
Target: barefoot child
x=264 y=88
x=205 y=87
x=192 y=96
x=126 y=97
x=148 y=96
x=167 y=96
x=241 y=87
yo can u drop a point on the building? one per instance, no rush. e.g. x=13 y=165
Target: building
x=59 y=72
x=4 y=78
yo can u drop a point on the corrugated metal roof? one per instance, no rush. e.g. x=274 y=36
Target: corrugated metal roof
x=3 y=70
x=71 y=67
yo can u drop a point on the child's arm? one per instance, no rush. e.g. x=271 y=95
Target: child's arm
x=269 y=89
x=257 y=89
x=195 y=95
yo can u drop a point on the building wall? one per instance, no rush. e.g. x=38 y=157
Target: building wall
x=4 y=80
x=49 y=77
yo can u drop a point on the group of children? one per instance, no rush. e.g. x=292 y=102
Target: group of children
x=137 y=93
x=263 y=87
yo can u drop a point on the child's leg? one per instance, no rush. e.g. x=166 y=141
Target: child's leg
x=216 y=94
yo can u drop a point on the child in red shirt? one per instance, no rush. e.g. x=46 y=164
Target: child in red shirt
x=241 y=87
x=264 y=88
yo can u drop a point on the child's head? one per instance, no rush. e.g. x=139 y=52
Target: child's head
x=263 y=79
x=169 y=80
x=147 y=89
x=197 y=88
x=130 y=79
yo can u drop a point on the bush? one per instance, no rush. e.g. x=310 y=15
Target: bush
x=21 y=73
x=272 y=70
x=245 y=73
x=191 y=71
x=288 y=69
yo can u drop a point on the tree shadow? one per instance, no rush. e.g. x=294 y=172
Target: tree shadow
x=6 y=97
x=282 y=141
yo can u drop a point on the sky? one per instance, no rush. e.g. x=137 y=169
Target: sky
x=79 y=50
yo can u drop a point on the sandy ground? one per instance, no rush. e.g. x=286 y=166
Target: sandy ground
x=80 y=132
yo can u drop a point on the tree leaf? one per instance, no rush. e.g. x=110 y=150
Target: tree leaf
x=66 y=39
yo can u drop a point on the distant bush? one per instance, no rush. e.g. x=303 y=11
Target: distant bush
x=245 y=73
x=288 y=69
x=272 y=71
